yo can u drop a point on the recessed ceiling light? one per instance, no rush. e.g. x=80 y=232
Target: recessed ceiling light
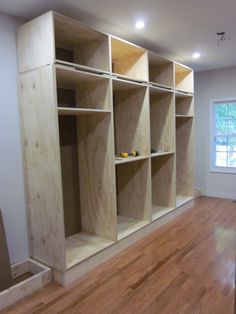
x=140 y=24
x=196 y=55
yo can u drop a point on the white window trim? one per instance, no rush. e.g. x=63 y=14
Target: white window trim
x=213 y=168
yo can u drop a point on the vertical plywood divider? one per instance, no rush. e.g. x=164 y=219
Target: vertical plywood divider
x=42 y=165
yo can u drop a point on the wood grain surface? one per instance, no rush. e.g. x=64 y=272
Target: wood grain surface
x=187 y=266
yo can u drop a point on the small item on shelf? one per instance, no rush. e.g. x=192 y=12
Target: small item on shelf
x=154 y=150
x=134 y=153
x=124 y=155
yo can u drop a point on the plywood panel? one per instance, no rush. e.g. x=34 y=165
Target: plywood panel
x=162 y=113
x=35 y=43
x=131 y=110
x=161 y=71
x=163 y=181
x=42 y=165
x=97 y=175
x=184 y=105
x=184 y=156
x=183 y=78
x=134 y=189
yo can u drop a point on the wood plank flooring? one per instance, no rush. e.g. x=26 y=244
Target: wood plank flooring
x=187 y=266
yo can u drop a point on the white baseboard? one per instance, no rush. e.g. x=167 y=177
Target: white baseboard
x=220 y=195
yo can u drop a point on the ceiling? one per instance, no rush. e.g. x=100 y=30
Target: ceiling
x=174 y=29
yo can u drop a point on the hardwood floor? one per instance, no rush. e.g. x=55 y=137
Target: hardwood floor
x=187 y=266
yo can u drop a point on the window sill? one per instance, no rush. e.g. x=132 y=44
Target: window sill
x=223 y=170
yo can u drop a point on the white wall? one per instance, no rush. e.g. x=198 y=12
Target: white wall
x=211 y=85
x=12 y=200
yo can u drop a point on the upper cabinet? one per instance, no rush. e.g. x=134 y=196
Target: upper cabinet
x=129 y=61
x=62 y=40
x=161 y=71
x=183 y=78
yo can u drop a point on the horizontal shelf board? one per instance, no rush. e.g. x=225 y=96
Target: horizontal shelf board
x=180 y=68
x=182 y=199
x=128 y=225
x=159 y=89
x=160 y=211
x=129 y=159
x=179 y=94
x=128 y=78
x=122 y=48
x=155 y=59
x=162 y=154
x=83 y=245
x=82 y=68
x=120 y=84
x=183 y=92
x=80 y=111
x=185 y=116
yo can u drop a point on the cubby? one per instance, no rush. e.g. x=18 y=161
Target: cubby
x=133 y=196
x=183 y=105
x=86 y=97
x=184 y=160
x=162 y=114
x=89 y=211
x=183 y=78
x=161 y=71
x=131 y=119
x=129 y=61
x=163 y=185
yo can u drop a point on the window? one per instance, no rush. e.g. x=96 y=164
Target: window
x=223 y=139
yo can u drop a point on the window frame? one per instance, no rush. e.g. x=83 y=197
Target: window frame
x=213 y=168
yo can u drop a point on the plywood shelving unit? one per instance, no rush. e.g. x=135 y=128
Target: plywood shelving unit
x=129 y=61
x=85 y=97
x=161 y=71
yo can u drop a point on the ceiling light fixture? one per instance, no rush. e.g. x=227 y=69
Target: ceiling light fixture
x=196 y=55
x=140 y=24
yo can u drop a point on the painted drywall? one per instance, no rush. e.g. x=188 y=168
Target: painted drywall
x=12 y=199
x=211 y=85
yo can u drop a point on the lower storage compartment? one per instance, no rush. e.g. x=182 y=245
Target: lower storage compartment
x=133 y=196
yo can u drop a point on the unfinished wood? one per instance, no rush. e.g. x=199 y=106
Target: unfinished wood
x=42 y=165
x=184 y=157
x=120 y=160
x=183 y=199
x=183 y=78
x=82 y=245
x=35 y=43
x=160 y=211
x=183 y=105
x=129 y=60
x=87 y=46
x=82 y=90
x=162 y=112
x=161 y=70
x=80 y=111
x=131 y=116
x=5 y=273
x=128 y=225
x=163 y=184
x=134 y=190
x=40 y=277
x=161 y=154
x=97 y=175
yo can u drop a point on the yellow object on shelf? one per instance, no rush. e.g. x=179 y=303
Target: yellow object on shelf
x=124 y=155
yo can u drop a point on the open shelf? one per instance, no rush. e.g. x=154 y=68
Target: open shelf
x=77 y=89
x=183 y=105
x=162 y=120
x=82 y=245
x=159 y=154
x=183 y=78
x=163 y=185
x=78 y=44
x=184 y=157
x=133 y=196
x=87 y=180
x=131 y=116
x=79 y=111
x=161 y=70
x=129 y=60
x=120 y=160
x=183 y=199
